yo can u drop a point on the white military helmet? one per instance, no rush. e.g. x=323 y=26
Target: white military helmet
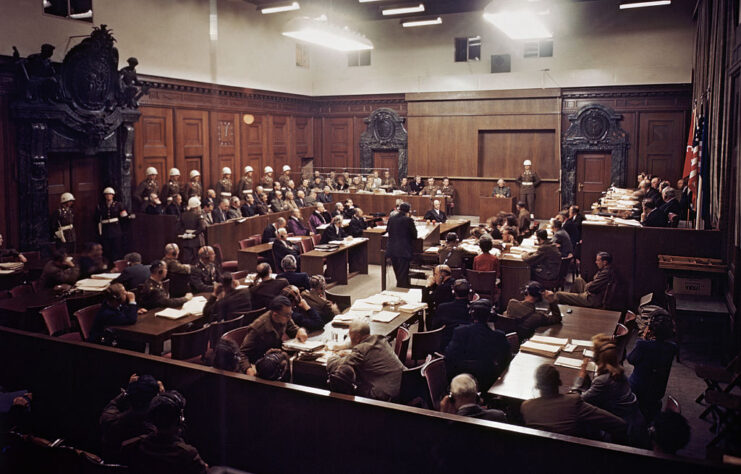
x=248 y=169
x=268 y=169
x=151 y=170
x=66 y=197
x=109 y=190
x=193 y=202
x=527 y=163
x=286 y=168
x=226 y=170
x=174 y=172
x=194 y=173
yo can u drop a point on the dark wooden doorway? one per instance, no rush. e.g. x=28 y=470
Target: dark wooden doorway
x=80 y=175
x=593 y=171
x=387 y=159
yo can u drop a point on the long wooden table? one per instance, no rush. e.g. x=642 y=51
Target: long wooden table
x=353 y=255
x=384 y=203
x=518 y=381
x=23 y=311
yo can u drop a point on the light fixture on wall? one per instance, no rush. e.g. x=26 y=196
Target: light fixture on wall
x=626 y=5
x=279 y=7
x=403 y=9
x=421 y=22
x=518 y=20
x=321 y=32
x=249 y=119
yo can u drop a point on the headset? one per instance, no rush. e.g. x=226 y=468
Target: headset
x=534 y=289
x=172 y=399
x=463 y=285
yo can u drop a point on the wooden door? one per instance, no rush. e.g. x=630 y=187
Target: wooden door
x=662 y=139
x=191 y=146
x=387 y=159
x=593 y=172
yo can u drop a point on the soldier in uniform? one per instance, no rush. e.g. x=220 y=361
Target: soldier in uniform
x=194 y=188
x=267 y=179
x=448 y=191
x=62 y=223
x=146 y=188
x=245 y=184
x=500 y=190
x=153 y=294
x=224 y=186
x=190 y=233
x=528 y=181
x=172 y=187
x=431 y=188
x=107 y=215
x=388 y=181
x=285 y=177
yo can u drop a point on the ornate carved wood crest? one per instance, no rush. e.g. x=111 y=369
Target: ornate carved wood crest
x=385 y=132
x=593 y=128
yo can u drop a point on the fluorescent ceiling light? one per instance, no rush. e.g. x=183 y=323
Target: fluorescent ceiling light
x=425 y=22
x=400 y=10
x=517 y=20
x=81 y=16
x=320 y=32
x=656 y=3
x=368 y=1
x=284 y=7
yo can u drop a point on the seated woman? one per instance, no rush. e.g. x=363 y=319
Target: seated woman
x=450 y=254
x=487 y=261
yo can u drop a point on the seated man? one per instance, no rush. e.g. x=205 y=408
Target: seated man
x=487 y=261
x=267 y=331
x=545 y=262
x=562 y=239
x=266 y=287
x=290 y=273
x=234 y=211
x=334 y=231
x=283 y=247
x=303 y=315
x=463 y=400
x=349 y=209
x=357 y=223
x=652 y=215
x=439 y=288
x=476 y=348
x=500 y=190
x=91 y=261
x=339 y=210
x=670 y=203
x=316 y=296
x=527 y=317
x=523 y=218
x=248 y=209
x=262 y=206
x=566 y=414
x=221 y=211
x=154 y=205
x=592 y=294
x=118 y=309
x=153 y=293
x=296 y=225
x=271 y=231
x=451 y=254
x=60 y=270
x=453 y=313
x=318 y=217
x=277 y=204
x=164 y=449
x=175 y=208
x=10 y=255
x=325 y=196
x=435 y=214
x=226 y=300
x=172 y=252
x=204 y=274
x=377 y=369
x=134 y=274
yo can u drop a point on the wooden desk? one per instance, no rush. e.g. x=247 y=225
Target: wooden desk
x=247 y=258
x=23 y=311
x=459 y=226
x=515 y=274
x=354 y=256
x=518 y=381
x=384 y=202
x=375 y=243
x=492 y=206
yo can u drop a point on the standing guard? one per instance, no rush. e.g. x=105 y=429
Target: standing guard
x=192 y=224
x=194 y=188
x=285 y=177
x=267 y=178
x=62 y=222
x=172 y=187
x=245 y=184
x=528 y=181
x=224 y=186
x=146 y=188
x=107 y=215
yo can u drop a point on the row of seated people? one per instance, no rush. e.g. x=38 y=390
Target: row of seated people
x=658 y=204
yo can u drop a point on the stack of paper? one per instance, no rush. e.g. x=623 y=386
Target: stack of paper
x=432 y=249
x=195 y=306
x=105 y=276
x=383 y=299
x=556 y=341
x=362 y=305
x=384 y=317
x=630 y=222
x=412 y=307
x=308 y=346
x=547 y=350
x=581 y=342
x=89 y=284
x=12 y=266
x=172 y=313
x=574 y=363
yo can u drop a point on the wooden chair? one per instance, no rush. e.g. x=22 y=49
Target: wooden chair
x=342 y=301
x=250 y=316
x=672 y=405
x=424 y=344
x=57 y=321
x=483 y=283
x=85 y=318
x=257 y=238
x=720 y=379
x=226 y=266
x=179 y=284
x=437 y=380
x=21 y=290
x=247 y=243
x=219 y=328
x=621 y=336
x=119 y=265
x=236 y=335
x=401 y=344
x=413 y=387
x=307 y=245
x=191 y=345
x=514 y=342
x=316 y=238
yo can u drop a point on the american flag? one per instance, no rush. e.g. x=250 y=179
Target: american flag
x=692 y=155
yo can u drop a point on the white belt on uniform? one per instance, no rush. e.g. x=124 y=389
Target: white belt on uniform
x=225 y=194
x=189 y=234
x=109 y=221
x=66 y=227
x=246 y=191
x=527 y=183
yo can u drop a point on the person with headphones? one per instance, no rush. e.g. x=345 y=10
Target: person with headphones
x=226 y=300
x=153 y=293
x=118 y=309
x=439 y=288
x=316 y=296
x=477 y=349
x=451 y=254
x=453 y=313
x=204 y=274
x=267 y=331
x=463 y=400
x=172 y=252
x=303 y=315
x=527 y=316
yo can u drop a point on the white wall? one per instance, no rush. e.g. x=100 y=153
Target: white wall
x=594 y=44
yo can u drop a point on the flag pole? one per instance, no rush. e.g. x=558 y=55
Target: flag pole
x=698 y=207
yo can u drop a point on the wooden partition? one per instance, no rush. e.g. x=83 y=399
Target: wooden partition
x=385 y=203
x=151 y=234
x=262 y=426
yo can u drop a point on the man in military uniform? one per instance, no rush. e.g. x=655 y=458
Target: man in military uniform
x=448 y=191
x=107 y=215
x=190 y=233
x=153 y=294
x=501 y=191
x=431 y=188
x=204 y=274
x=388 y=181
x=267 y=178
x=62 y=224
x=172 y=187
x=224 y=186
x=194 y=188
x=172 y=253
x=146 y=188
x=285 y=177
x=528 y=181
x=245 y=184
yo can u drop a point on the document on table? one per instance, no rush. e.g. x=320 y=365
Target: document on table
x=574 y=363
x=105 y=276
x=89 y=284
x=362 y=305
x=195 y=306
x=547 y=350
x=629 y=222
x=6 y=272
x=549 y=340
x=384 y=316
x=308 y=346
x=412 y=307
x=581 y=342
x=171 y=313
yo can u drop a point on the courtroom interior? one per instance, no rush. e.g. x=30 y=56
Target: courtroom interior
x=394 y=236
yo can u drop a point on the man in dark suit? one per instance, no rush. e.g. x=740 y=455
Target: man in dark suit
x=134 y=274
x=453 y=313
x=463 y=400
x=248 y=208
x=653 y=216
x=671 y=204
x=545 y=262
x=435 y=214
x=325 y=196
x=290 y=273
x=476 y=349
x=357 y=223
x=226 y=300
x=439 y=288
x=652 y=192
x=220 y=212
x=282 y=246
x=685 y=199
x=334 y=231
x=271 y=231
x=401 y=235
x=266 y=287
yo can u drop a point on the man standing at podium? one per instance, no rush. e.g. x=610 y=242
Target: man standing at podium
x=402 y=234
x=501 y=191
x=528 y=181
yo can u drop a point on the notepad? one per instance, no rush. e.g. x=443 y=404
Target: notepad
x=361 y=305
x=195 y=306
x=547 y=350
x=308 y=346
x=105 y=276
x=556 y=341
x=171 y=313
x=581 y=342
x=412 y=307
x=384 y=316
x=574 y=363
x=588 y=353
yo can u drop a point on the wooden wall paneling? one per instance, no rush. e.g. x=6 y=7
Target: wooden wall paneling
x=254 y=145
x=225 y=144
x=192 y=144
x=153 y=143
x=303 y=139
x=661 y=143
x=279 y=142
x=337 y=143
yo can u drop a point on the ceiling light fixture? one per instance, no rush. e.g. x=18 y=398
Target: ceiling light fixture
x=423 y=22
x=279 y=7
x=368 y=1
x=624 y=6
x=517 y=23
x=320 y=32
x=403 y=10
